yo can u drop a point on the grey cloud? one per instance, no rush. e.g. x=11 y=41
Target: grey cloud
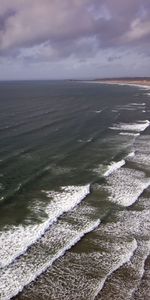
x=44 y=29
x=113 y=58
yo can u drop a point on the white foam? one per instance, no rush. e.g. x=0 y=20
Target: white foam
x=125 y=186
x=141 y=86
x=114 y=166
x=144 y=87
x=129 y=133
x=132 y=106
x=137 y=264
x=89 y=140
x=131 y=154
x=123 y=287
x=138 y=104
x=80 y=273
x=129 y=223
x=132 y=223
x=15 y=240
x=16 y=276
x=98 y=111
x=137 y=127
x=126 y=257
x=142 y=158
x=85 y=272
x=86 y=141
x=142 y=146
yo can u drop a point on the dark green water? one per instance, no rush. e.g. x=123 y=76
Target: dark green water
x=74 y=174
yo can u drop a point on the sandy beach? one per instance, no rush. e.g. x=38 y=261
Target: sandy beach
x=145 y=83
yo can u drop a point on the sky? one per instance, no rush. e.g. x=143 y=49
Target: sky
x=60 y=39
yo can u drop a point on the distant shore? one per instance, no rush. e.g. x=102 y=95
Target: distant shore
x=145 y=83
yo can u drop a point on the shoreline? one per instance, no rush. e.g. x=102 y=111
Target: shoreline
x=140 y=84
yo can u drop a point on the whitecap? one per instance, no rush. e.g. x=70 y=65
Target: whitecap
x=28 y=267
x=131 y=154
x=86 y=141
x=135 y=127
x=129 y=133
x=125 y=186
x=16 y=239
x=138 y=104
x=98 y=111
x=126 y=257
x=114 y=166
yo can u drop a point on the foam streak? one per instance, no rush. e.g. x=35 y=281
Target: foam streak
x=16 y=240
x=11 y=284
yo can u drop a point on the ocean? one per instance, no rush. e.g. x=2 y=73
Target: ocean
x=74 y=191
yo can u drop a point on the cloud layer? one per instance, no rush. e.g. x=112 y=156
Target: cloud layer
x=52 y=30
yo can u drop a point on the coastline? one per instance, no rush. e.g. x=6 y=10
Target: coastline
x=137 y=83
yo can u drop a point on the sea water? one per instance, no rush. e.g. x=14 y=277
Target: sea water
x=74 y=190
